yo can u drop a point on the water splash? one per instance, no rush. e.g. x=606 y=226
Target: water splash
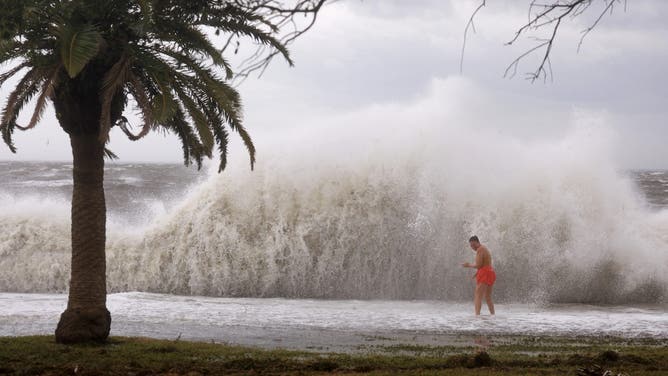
x=383 y=211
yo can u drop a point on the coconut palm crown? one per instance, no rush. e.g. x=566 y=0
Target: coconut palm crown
x=95 y=58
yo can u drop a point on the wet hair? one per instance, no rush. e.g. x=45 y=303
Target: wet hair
x=474 y=238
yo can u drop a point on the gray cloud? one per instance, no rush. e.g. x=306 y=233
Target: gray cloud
x=364 y=53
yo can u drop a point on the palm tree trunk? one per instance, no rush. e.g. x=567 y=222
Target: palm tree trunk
x=86 y=317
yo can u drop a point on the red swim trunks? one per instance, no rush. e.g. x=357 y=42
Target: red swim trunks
x=486 y=275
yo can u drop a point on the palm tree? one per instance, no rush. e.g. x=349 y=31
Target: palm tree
x=94 y=58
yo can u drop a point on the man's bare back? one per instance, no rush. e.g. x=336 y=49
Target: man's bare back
x=483 y=257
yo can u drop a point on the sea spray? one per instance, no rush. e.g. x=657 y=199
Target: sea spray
x=378 y=204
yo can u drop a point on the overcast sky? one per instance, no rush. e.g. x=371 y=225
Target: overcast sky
x=365 y=54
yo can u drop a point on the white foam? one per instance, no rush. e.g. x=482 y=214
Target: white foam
x=383 y=210
x=45 y=183
x=203 y=317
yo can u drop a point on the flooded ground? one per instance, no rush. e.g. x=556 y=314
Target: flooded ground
x=334 y=325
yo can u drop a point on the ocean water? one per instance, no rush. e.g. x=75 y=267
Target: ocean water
x=569 y=238
x=366 y=241
x=340 y=325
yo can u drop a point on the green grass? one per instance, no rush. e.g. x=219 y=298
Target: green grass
x=509 y=356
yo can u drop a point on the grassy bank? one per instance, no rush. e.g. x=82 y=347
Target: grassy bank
x=507 y=356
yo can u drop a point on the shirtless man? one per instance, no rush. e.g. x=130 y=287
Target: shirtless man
x=485 y=276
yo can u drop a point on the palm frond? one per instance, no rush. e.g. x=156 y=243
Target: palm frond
x=10 y=73
x=192 y=148
x=229 y=104
x=9 y=113
x=233 y=11
x=191 y=39
x=248 y=142
x=139 y=93
x=78 y=45
x=155 y=76
x=17 y=99
x=222 y=139
x=8 y=50
x=244 y=29
x=110 y=154
x=228 y=101
x=180 y=83
x=189 y=62
x=218 y=128
x=205 y=79
x=45 y=93
x=146 y=9
x=199 y=119
x=226 y=98
x=164 y=104
x=113 y=82
x=227 y=108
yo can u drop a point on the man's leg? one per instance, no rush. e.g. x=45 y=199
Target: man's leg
x=488 y=299
x=477 y=298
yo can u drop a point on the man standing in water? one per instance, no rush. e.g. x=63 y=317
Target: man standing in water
x=485 y=276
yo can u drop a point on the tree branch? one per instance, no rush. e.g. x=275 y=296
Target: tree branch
x=471 y=25
x=546 y=15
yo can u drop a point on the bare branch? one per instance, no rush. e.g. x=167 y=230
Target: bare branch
x=546 y=15
x=552 y=15
x=466 y=31
x=608 y=7
x=515 y=62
